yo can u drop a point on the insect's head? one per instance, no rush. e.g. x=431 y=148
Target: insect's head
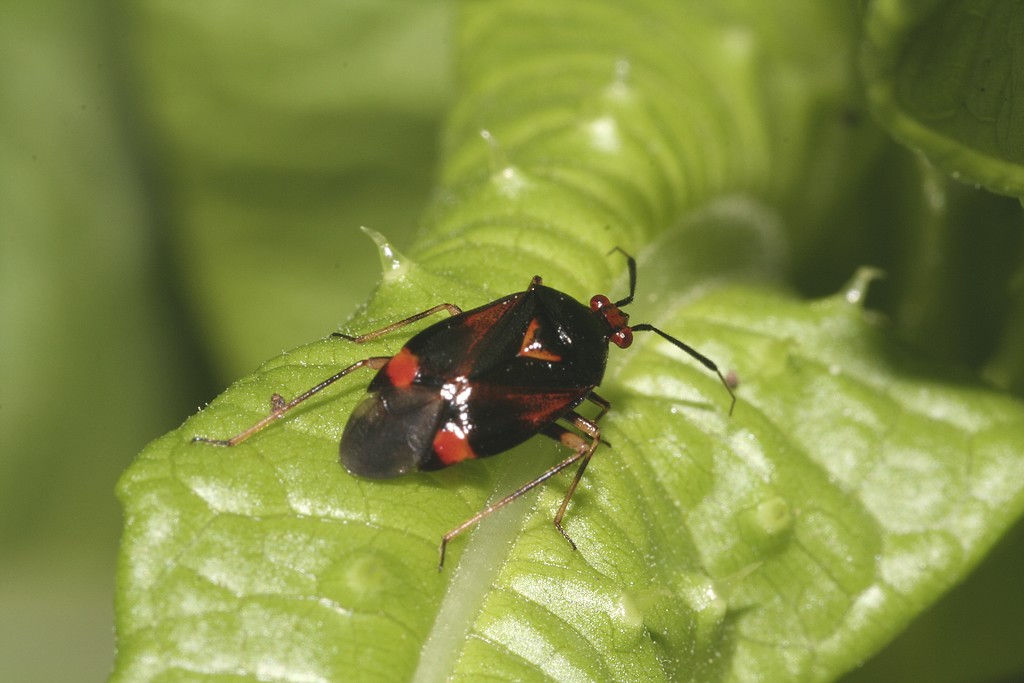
x=619 y=332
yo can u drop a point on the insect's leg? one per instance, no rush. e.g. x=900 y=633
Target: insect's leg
x=555 y=432
x=361 y=338
x=278 y=407
x=584 y=450
x=601 y=402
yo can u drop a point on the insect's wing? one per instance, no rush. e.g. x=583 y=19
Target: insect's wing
x=390 y=432
x=466 y=344
x=505 y=416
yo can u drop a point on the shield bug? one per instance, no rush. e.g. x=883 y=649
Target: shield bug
x=482 y=381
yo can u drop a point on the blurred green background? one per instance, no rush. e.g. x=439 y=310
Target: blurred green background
x=118 y=214
x=144 y=164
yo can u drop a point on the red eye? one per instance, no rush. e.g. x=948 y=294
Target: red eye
x=622 y=337
x=598 y=302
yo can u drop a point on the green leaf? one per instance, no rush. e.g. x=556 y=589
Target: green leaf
x=853 y=486
x=946 y=77
x=791 y=540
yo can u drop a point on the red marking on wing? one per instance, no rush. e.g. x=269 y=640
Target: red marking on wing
x=539 y=408
x=533 y=347
x=484 y=318
x=451 y=446
x=403 y=368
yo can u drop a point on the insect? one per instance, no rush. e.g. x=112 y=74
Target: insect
x=482 y=381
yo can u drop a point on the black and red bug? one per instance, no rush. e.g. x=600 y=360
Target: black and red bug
x=482 y=381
